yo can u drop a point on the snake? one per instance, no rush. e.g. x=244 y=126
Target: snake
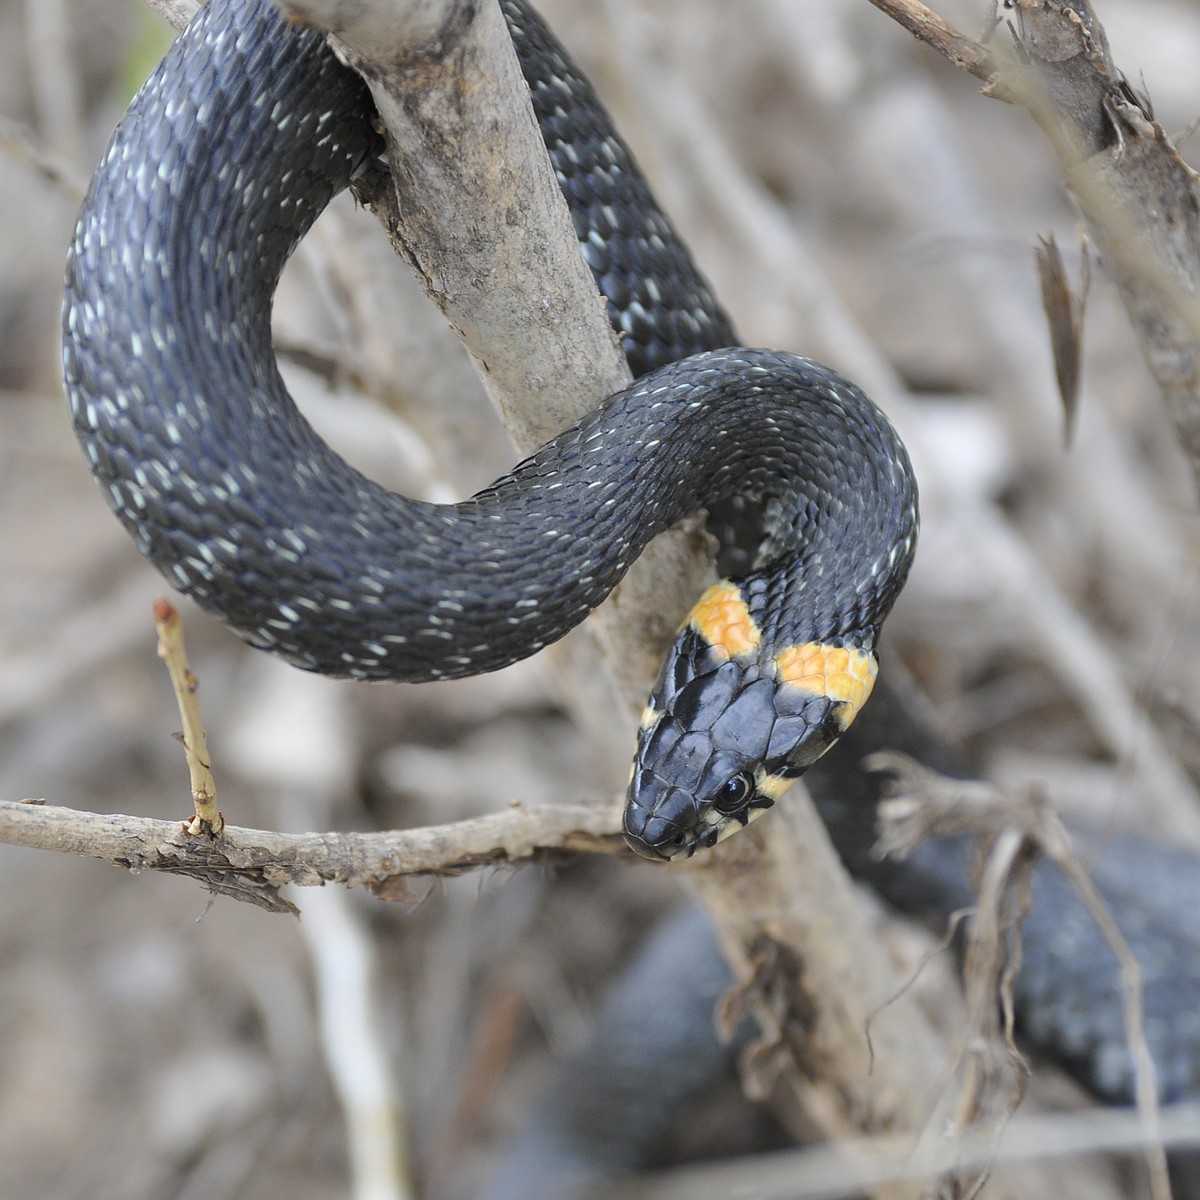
x=224 y=159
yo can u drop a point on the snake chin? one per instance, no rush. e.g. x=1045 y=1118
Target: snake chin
x=659 y=839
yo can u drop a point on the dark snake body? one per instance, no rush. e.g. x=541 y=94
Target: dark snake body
x=179 y=406
x=224 y=160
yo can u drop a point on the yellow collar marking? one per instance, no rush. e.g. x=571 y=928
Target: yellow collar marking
x=723 y=620
x=841 y=673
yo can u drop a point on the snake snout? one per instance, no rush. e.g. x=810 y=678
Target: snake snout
x=656 y=837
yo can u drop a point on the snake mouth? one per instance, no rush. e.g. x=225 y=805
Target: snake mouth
x=662 y=840
x=644 y=849
x=659 y=838
x=680 y=846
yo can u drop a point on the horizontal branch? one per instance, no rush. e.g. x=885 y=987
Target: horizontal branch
x=252 y=864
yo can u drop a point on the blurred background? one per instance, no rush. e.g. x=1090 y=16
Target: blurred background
x=851 y=197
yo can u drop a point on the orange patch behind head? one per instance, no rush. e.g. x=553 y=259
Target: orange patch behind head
x=841 y=673
x=723 y=620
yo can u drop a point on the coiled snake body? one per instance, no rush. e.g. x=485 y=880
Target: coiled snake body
x=222 y=163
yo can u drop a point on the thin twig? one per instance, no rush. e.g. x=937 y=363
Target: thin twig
x=922 y=804
x=866 y=1165
x=926 y=26
x=208 y=819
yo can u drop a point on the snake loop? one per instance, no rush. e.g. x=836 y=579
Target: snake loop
x=226 y=157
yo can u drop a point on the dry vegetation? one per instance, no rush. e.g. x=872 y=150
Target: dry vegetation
x=852 y=196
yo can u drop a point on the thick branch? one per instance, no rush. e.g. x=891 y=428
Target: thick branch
x=479 y=216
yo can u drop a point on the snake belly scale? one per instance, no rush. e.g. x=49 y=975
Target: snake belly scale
x=226 y=157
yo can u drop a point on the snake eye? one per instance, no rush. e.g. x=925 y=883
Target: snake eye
x=735 y=794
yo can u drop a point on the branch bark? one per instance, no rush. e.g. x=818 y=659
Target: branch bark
x=253 y=864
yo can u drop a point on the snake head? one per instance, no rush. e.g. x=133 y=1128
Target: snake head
x=728 y=728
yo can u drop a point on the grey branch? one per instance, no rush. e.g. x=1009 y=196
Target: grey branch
x=252 y=864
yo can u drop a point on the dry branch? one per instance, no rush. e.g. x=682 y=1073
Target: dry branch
x=1138 y=196
x=252 y=864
